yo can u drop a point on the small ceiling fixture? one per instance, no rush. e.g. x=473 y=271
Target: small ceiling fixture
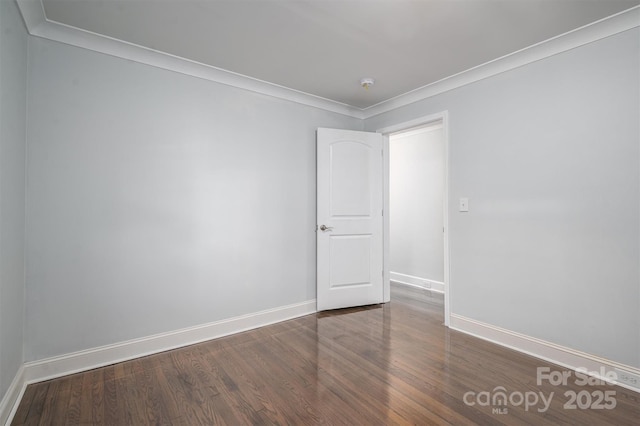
x=367 y=82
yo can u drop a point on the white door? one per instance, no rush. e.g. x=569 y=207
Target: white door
x=349 y=219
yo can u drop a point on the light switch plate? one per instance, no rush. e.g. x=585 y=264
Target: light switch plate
x=464 y=204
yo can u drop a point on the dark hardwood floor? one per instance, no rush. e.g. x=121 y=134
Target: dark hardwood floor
x=378 y=365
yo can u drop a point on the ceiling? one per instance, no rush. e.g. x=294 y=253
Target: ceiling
x=324 y=47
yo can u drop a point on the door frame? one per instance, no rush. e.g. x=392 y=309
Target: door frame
x=386 y=132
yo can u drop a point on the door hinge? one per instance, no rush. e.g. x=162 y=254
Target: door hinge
x=383 y=273
x=382 y=212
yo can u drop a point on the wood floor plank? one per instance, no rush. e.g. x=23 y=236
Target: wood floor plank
x=91 y=401
x=152 y=404
x=134 y=403
x=55 y=392
x=320 y=388
x=112 y=404
x=37 y=407
x=236 y=386
x=391 y=364
x=72 y=410
x=372 y=363
x=20 y=417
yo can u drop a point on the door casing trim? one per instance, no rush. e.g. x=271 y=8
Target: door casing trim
x=386 y=132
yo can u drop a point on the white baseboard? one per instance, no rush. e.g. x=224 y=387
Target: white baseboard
x=50 y=368
x=556 y=354
x=12 y=397
x=75 y=362
x=413 y=281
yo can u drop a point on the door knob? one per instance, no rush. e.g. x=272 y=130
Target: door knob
x=324 y=228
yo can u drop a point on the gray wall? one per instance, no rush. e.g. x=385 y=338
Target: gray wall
x=548 y=155
x=416 y=189
x=158 y=201
x=13 y=89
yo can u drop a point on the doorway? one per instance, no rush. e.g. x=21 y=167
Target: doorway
x=416 y=248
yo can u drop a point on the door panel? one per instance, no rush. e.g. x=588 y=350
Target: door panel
x=350 y=186
x=350 y=260
x=349 y=209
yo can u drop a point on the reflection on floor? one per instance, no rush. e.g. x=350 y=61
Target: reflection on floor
x=377 y=365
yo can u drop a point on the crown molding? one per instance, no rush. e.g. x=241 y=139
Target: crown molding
x=33 y=14
x=589 y=33
x=38 y=25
